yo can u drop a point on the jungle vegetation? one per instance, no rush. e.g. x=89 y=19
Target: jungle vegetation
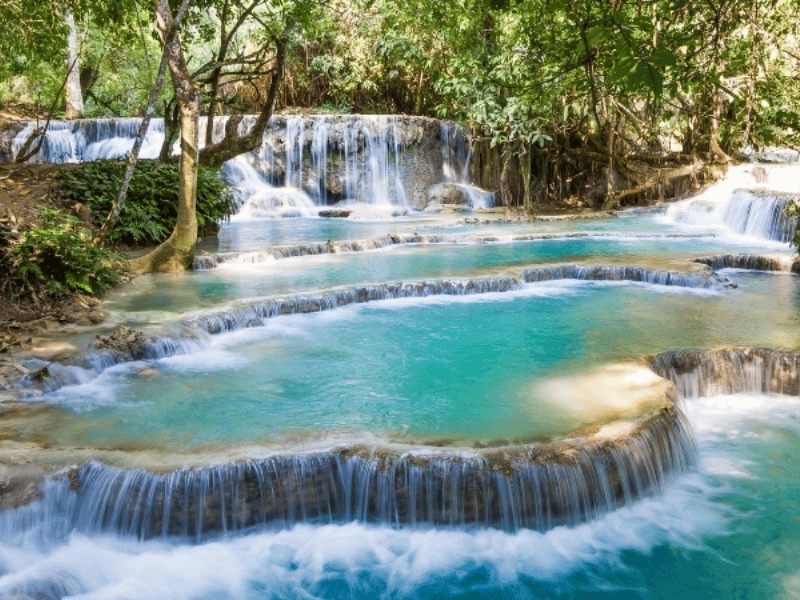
x=597 y=103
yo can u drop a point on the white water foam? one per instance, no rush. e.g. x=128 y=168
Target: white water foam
x=731 y=416
x=259 y=199
x=309 y=561
x=746 y=206
x=212 y=358
x=97 y=390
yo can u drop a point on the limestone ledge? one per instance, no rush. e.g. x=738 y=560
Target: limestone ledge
x=636 y=417
x=758 y=370
x=637 y=442
x=755 y=262
x=205 y=261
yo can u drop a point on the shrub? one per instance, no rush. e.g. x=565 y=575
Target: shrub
x=58 y=257
x=149 y=213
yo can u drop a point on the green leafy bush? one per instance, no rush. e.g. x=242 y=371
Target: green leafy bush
x=58 y=257
x=149 y=213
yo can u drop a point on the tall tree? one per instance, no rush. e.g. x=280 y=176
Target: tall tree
x=177 y=251
x=74 y=94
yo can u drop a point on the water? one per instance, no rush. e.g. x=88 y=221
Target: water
x=750 y=202
x=427 y=369
x=366 y=165
x=424 y=390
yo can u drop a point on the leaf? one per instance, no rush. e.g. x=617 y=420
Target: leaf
x=623 y=69
x=650 y=78
x=597 y=35
x=663 y=58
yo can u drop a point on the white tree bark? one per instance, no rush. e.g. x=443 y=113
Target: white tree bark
x=74 y=94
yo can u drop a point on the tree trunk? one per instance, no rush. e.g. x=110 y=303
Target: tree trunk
x=74 y=96
x=714 y=149
x=611 y=200
x=133 y=157
x=213 y=103
x=505 y=186
x=524 y=157
x=176 y=253
x=171 y=125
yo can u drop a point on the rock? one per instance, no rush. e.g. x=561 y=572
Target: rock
x=51 y=351
x=11 y=372
x=83 y=212
x=448 y=195
x=125 y=344
x=335 y=213
x=204 y=262
x=148 y=373
x=18 y=488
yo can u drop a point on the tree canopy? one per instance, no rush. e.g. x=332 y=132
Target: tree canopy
x=548 y=86
x=522 y=70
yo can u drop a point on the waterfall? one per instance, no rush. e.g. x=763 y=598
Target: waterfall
x=209 y=261
x=91 y=139
x=754 y=262
x=538 y=486
x=191 y=336
x=730 y=371
x=304 y=163
x=761 y=214
x=456 y=159
x=740 y=204
x=254 y=313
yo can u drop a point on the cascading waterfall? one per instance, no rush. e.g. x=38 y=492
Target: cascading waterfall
x=295 y=142
x=253 y=314
x=91 y=139
x=304 y=163
x=752 y=262
x=456 y=158
x=761 y=214
x=743 y=205
x=730 y=371
x=209 y=261
x=368 y=508
x=538 y=487
x=256 y=313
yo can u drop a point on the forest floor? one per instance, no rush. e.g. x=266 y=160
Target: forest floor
x=25 y=324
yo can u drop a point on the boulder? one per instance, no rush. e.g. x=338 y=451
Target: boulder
x=447 y=196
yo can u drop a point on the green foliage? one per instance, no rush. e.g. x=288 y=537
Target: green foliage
x=367 y=56
x=533 y=71
x=536 y=72
x=118 y=65
x=149 y=213
x=32 y=33
x=58 y=256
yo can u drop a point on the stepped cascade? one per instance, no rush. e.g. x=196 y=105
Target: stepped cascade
x=411 y=403
x=536 y=487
